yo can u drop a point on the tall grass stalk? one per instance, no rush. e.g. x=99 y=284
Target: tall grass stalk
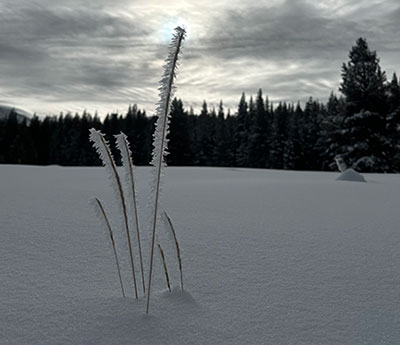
x=103 y=150
x=178 y=250
x=100 y=211
x=160 y=136
x=165 y=266
x=126 y=154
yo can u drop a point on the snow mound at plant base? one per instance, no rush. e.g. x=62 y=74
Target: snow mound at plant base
x=351 y=175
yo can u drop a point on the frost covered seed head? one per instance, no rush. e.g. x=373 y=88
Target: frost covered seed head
x=160 y=141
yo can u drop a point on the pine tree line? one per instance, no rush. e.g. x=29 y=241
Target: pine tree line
x=362 y=126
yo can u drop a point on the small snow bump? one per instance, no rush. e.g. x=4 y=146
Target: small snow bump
x=351 y=175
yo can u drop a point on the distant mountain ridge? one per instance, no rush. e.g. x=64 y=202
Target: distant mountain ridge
x=5 y=111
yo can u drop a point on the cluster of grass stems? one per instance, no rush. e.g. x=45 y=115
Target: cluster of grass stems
x=122 y=190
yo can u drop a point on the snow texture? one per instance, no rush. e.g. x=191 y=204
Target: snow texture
x=271 y=257
x=351 y=175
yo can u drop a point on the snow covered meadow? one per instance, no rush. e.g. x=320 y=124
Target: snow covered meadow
x=270 y=257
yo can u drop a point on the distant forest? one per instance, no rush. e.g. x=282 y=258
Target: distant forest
x=362 y=126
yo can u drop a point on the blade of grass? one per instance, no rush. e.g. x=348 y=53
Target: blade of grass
x=165 y=266
x=100 y=210
x=178 y=250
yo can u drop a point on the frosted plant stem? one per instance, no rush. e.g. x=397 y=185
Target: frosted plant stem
x=161 y=149
x=138 y=231
x=113 y=244
x=155 y=221
x=123 y=145
x=121 y=193
x=178 y=250
x=165 y=266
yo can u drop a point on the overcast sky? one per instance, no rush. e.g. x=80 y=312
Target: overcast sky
x=103 y=55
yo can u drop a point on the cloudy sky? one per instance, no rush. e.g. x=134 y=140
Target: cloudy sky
x=102 y=55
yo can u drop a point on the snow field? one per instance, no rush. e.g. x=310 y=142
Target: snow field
x=269 y=257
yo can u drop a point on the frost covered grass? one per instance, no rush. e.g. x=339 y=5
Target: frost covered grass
x=99 y=209
x=127 y=163
x=160 y=150
x=162 y=255
x=171 y=230
x=103 y=149
x=271 y=257
x=160 y=143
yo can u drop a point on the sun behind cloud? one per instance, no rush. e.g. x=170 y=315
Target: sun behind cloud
x=169 y=25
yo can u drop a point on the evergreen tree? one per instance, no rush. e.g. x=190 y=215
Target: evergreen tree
x=363 y=141
x=330 y=136
x=258 y=136
x=231 y=131
x=10 y=140
x=394 y=94
x=141 y=138
x=242 y=133
x=363 y=82
x=366 y=148
x=293 y=149
x=393 y=122
x=179 y=145
x=223 y=156
x=309 y=135
x=280 y=129
x=204 y=146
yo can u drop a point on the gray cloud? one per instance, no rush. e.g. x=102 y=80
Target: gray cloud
x=67 y=55
x=103 y=56
x=305 y=43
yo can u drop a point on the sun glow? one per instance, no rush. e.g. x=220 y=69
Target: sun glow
x=169 y=26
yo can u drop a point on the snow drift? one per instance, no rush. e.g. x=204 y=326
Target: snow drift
x=351 y=175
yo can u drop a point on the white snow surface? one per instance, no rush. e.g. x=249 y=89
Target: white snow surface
x=269 y=257
x=351 y=175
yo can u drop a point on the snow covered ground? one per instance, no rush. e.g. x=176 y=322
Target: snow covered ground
x=270 y=257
